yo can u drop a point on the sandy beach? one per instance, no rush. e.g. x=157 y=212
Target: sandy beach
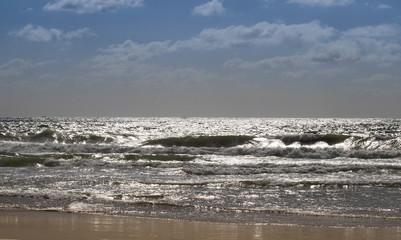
x=54 y=225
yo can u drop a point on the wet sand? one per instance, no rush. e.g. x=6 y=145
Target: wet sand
x=54 y=225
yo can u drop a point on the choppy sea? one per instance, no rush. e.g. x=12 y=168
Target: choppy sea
x=249 y=170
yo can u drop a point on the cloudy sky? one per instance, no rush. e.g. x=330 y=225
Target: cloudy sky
x=236 y=58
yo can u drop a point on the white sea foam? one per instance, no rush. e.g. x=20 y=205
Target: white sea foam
x=338 y=167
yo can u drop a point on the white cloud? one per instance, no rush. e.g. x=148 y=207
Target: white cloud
x=40 y=34
x=130 y=51
x=262 y=33
x=80 y=33
x=14 y=67
x=295 y=75
x=37 y=33
x=318 y=48
x=322 y=3
x=214 y=7
x=268 y=63
x=384 y=6
x=378 y=77
x=380 y=31
x=375 y=43
x=330 y=54
x=90 y=6
x=340 y=51
x=347 y=51
x=370 y=44
x=19 y=67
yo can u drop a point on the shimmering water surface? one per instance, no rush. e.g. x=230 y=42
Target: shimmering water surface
x=252 y=169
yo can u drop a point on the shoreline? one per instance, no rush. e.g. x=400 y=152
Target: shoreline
x=155 y=211
x=24 y=224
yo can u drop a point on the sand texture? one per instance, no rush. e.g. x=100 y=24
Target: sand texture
x=52 y=225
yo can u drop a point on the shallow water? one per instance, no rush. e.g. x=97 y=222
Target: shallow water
x=30 y=225
x=204 y=168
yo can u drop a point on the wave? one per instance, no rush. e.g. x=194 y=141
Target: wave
x=49 y=135
x=376 y=143
x=286 y=152
x=202 y=141
x=271 y=168
x=54 y=160
x=193 y=211
x=159 y=157
x=343 y=141
x=23 y=161
x=285 y=141
x=310 y=139
x=317 y=184
x=29 y=160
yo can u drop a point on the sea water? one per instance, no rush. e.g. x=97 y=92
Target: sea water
x=270 y=170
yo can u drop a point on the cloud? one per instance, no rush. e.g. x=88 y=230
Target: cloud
x=214 y=7
x=40 y=34
x=268 y=63
x=329 y=54
x=384 y=6
x=260 y=34
x=378 y=78
x=369 y=44
x=80 y=33
x=90 y=6
x=318 y=48
x=37 y=34
x=19 y=67
x=379 y=31
x=14 y=67
x=381 y=53
x=130 y=51
x=375 y=43
x=322 y=3
x=295 y=75
x=340 y=51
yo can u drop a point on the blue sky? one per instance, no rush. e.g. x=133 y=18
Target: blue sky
x=256 y=58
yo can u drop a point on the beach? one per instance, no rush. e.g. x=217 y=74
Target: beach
x=57 y=225
x=209 y=119
x=200 y=178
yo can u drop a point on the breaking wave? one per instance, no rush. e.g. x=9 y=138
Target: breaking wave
x=202 y=141
x=49 y=135
x=329 y=167
x=271 y=168
x=353 y=150
x=310 y=139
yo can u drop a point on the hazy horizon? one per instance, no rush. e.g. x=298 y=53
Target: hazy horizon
x=203 y=58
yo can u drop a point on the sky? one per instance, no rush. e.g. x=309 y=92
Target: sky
x=201 y=58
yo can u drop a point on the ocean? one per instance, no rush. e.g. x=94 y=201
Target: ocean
x=248 y=170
